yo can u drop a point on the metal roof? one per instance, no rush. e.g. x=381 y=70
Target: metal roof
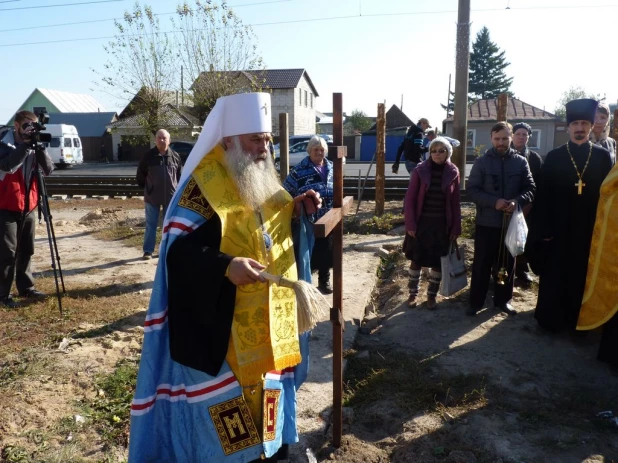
x=87 y=124
x=275 y=78
x=170 y=117
x=67 y=102
x=487 y=110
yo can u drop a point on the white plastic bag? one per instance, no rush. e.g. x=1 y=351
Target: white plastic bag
x=515 y=239
x=454 y=277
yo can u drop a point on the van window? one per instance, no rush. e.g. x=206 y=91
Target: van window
x=67 y=142
x=55 y=142
x=76 y=143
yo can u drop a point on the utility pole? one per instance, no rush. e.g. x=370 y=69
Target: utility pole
x=462 y=64
x=182 y=87
x=448 y=97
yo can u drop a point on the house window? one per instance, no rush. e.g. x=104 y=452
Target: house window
x=300 y=97
x=311 y=99
x=305 y=98
x=471 y=138
x=534 y=142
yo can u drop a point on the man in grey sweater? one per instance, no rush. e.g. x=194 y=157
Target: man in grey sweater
x=498 y=182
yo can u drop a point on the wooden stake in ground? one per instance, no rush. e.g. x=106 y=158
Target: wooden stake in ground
x=503 y=106
x=380 y=148
x=332 y=222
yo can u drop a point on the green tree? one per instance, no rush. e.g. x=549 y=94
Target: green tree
x=573 y=93
x=359 y=121
x=487 y=65
x=217 y=52
x=140 y=68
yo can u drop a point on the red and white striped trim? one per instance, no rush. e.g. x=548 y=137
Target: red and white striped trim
x=179 y=226
x=155 y=321
x=279 y=375
x=191 y=394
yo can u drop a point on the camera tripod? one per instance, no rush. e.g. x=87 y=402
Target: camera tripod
x=44 y=213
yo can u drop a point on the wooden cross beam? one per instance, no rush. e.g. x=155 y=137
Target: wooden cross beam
x=332 y=222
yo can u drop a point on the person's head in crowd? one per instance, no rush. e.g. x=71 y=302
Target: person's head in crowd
x=580 y=118
x=423 y=123
x=162 y=140
x=317 y=149
x=23 y=118
x=440 y=150
x=521 y=135
x=431 y=133
x=601 y=127
x=501 y=137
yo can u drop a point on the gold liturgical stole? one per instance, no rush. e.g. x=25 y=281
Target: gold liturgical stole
x=264 y=328
x=600 y=302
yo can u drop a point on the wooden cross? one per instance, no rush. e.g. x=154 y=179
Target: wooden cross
x=579 y=186
x=332 y=221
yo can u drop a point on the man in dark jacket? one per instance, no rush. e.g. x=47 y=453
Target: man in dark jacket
x=412 y=147
x=498 y=182
x=19 y=160
x=521 y=135
x=158 y=173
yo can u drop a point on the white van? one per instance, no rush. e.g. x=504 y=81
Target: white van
x=65 y=147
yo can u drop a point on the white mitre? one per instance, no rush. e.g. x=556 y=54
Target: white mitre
x=232 y=115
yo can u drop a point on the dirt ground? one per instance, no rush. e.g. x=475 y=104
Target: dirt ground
x=421 y=386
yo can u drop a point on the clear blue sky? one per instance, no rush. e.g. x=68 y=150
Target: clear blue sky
x=372 y=51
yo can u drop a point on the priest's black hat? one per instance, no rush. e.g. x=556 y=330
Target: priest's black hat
x=583 y=109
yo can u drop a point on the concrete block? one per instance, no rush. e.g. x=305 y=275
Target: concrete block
x=79 y=196
x=62 y=197
x=103 y=197
x=122 y=198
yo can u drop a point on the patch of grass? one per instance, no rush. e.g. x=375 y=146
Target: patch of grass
x=39 y=323
x=468 y=224
x=372 y=224
x=109 y=412
x=15 y=454
x=407 y=384
x=128 y=235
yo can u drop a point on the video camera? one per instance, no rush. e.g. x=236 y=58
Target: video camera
x=39 y=125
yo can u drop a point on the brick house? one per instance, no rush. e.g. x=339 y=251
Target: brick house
x=292 y=92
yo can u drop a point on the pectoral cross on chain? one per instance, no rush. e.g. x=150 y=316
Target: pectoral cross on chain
x=265 y=108
x=579 y=186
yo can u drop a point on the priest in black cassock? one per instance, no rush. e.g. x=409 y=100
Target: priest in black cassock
x=567 y=201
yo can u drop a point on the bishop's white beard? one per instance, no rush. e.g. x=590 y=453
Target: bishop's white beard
x=256 y=181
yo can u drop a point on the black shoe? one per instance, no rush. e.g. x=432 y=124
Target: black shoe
x=32 y=293
x=9 y=303
x=471 y=311
x=147 y=256
x=325 y=287
x=507 y=308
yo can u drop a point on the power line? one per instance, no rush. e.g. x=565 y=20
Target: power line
x=58 y=4
x=331 y=18
x=77 y=23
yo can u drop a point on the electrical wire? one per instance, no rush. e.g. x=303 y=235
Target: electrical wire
x=331 y=18
x=58 y=4
x=77 y=23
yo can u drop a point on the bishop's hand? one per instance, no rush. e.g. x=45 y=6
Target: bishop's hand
x=244 y=271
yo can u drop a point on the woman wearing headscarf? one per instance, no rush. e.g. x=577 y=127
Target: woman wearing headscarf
x=433 y=217
x=600 y=131
x=315 y=172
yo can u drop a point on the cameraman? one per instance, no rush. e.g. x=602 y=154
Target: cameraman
x=20 y=156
